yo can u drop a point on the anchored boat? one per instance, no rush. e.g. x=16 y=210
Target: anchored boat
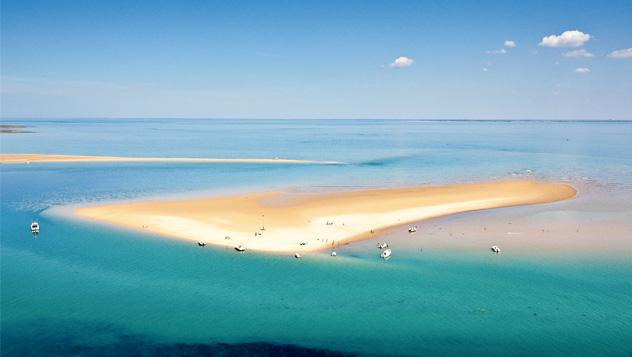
x=35 y=228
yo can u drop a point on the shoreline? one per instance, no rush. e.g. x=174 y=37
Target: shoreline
x=314 y=221
x=42 y=158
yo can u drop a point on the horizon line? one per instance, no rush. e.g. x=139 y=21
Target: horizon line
x=333 y=119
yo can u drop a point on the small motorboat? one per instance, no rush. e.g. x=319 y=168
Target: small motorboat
x=495 y=249
x=382 y=246
x=35 y=227
x=297 y=256
x=201 y=243
x=240 y=248
x=412 y=229
x=333 y=254
x=386 y=253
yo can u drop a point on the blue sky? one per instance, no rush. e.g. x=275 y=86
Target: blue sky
x=316 y=59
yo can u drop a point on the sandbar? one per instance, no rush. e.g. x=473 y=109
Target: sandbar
x=300 y=222
x=28 y=158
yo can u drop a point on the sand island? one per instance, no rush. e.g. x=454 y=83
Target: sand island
x=28 y=158
x=283 y=222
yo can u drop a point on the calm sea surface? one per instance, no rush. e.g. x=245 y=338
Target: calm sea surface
x=89 y=290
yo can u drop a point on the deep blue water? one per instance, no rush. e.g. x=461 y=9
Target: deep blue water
x=84 y=289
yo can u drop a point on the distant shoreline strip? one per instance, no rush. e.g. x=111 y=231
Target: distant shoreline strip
x=37 y=158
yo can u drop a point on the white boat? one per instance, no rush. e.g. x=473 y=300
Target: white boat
x=382 y=245
x=495 y=249
x=35 y=227
x=240 y=248
x=386 y=253
x=333 y=254
x=412 y=229
x=297 y=256
x=201 y=244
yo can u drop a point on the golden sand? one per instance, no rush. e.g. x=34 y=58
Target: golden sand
x=315 y=221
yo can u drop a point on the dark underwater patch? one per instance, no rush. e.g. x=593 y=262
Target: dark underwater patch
x=48 y=338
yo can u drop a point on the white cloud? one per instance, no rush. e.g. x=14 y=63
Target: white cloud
x=578 y=53
x=485 y=69
x=566 y=39
x=582 y=70
x=624 y=53
x=501 y=51
x=401 y=62
x=510 y=43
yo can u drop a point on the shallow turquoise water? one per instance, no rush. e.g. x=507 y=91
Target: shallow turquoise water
x=83 y=285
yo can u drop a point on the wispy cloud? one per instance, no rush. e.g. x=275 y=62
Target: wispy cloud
x=572 y=38
x=402 y=62
x=501 y=51
x=578 y=53
x=582 y=70
x=624 y=53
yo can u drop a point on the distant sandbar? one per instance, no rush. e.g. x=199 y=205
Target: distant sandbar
x=28 y=158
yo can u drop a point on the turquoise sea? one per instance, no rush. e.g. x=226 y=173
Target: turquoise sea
x=83 y=289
